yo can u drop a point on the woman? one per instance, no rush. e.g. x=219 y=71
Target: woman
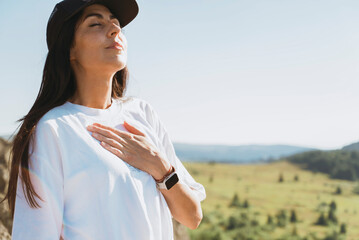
x=102 y=165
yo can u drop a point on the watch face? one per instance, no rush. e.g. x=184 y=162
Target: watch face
x=172 y=181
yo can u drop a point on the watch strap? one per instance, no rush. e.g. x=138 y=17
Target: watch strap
x=169 y=181
x=171 y=170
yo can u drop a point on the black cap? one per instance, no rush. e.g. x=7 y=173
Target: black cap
x=124 y=10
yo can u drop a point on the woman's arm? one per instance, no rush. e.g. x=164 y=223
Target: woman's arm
x=184 y=205
x=181 y=200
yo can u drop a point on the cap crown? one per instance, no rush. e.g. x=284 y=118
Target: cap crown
x=124 y=10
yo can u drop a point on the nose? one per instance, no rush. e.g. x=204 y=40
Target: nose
x=114 y=30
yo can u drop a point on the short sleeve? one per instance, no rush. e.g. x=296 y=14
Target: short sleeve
x=168 y=149
x=46 y=175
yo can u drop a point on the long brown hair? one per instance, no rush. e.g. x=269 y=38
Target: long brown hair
x=57 y=86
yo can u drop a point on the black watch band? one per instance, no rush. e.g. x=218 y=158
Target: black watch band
x=169 y=181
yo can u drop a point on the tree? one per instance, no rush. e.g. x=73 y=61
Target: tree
x=343 y=228
x=246 y=204
x=281 y=218
x=333 y=205
x=232 y=223
x=332 y=217
x=281 y=178
x=338 y=191
x=211 y=177
x=269 y=219
x=235 y=201
x=293 y=216
x=322 y=220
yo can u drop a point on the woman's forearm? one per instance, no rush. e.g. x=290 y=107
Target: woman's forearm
x=184 y=205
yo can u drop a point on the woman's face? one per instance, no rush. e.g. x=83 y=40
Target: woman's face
x=97 y=30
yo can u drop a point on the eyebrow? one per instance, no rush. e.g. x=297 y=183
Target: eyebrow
x=98 y=15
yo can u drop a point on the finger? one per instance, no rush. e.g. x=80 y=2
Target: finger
x=112 y=142
x=106 y=131
x=122 y=134
x=132 y=129
x=114 y=150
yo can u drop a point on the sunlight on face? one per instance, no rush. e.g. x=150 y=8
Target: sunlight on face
x=97 y=30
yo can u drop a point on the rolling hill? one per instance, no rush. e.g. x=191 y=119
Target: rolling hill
x=235 y=154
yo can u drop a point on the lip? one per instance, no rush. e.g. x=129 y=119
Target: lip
x=115 y=45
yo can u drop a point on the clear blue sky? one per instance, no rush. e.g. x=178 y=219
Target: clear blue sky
x=223 y=72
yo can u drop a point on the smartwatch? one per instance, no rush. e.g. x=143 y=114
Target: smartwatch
x=169 y=181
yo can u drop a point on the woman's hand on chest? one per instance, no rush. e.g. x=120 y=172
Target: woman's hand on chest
x=132 y=147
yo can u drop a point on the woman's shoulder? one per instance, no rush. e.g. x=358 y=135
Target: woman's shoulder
x=137 y=104
x=140 y=107
x=54 y=116
x=135 y=101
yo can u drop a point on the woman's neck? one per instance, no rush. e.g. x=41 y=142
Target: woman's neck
x=93 y=90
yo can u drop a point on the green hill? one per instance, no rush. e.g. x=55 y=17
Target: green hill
x=263 y=208
x=235 y=154
x=339 y=164
x=352 y=147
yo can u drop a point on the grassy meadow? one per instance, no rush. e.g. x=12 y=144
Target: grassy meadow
x=259 y=184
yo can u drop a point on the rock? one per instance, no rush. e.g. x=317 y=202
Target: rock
x=4 y=234
x=5 y=219
x=179 y=231
x=4 y=151
x=4 y=164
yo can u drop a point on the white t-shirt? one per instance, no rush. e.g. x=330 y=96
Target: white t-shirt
x=89 y=192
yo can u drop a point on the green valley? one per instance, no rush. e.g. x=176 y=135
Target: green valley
x=278 y=200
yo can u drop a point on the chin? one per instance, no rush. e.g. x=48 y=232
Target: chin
x=119 y=69
x=120 y=66
x=120 y=62
x=116 y=65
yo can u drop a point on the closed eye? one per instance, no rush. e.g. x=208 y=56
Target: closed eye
x=92 y=25
x=95 y=24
